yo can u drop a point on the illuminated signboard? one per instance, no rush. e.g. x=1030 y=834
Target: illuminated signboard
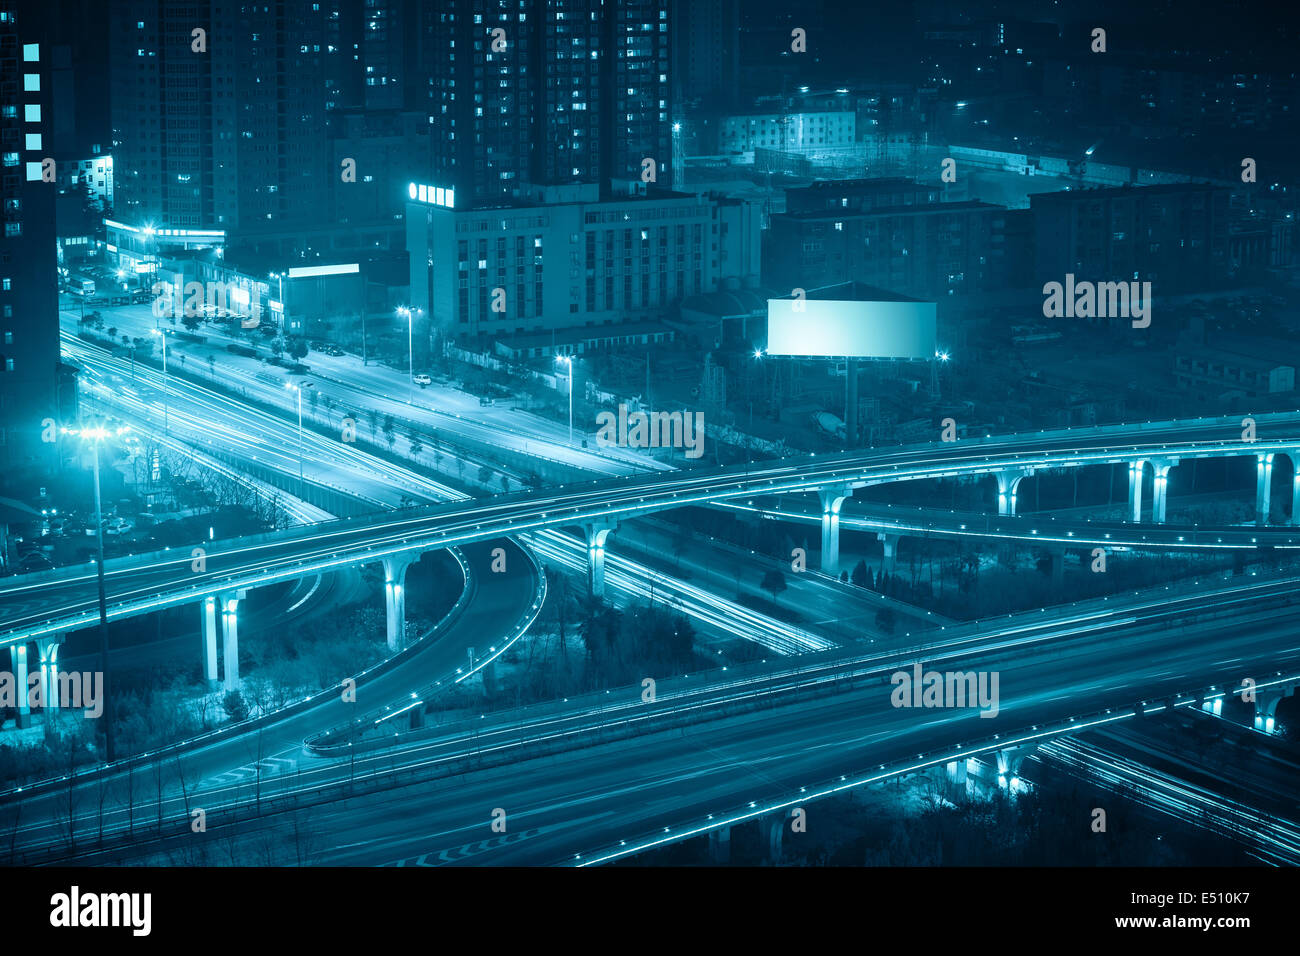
x=838 y=328
x=432 y=195
x=306 y=272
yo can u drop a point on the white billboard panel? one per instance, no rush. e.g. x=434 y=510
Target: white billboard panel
x=306 y=272
x=833 y=329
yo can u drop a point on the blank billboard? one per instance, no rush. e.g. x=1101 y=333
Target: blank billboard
x=838 y=328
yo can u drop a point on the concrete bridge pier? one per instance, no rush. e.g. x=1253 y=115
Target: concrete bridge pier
x=597 y=533
x=1008 y=485
x=1057 y=557
x=1294 y=520
x=1160 y=487
x=955 y=774
x=210 y=639
x=1000 y=768
x=889 y=551
x=1135 y=489
x=18 y=667
x=1266 y=702
x=832 y=499
x=395 y=598
x=229 y=603
x=48 y=650
x=720 y=845
x=1009 y=761
x=775 y=835
x=1263 y=487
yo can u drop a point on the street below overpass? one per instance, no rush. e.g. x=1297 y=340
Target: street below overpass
x=574 y=784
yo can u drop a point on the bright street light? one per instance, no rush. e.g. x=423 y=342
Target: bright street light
x=298 y=389
x=96 y=434
x=409 y=314
x=162 y=334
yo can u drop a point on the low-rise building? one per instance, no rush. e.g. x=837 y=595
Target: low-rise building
x=563 y=258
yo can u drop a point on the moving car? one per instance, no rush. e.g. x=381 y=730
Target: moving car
x=422 y=379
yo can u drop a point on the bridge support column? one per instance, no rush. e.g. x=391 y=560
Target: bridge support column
x=1266 y=707
x=1295 y=487
x=395 y=598
x=1009 y=761
x=1263 y=487
x=832 y=499
x=720 y=845
x=210 y=639
x=956 y=777
x=597 y=534
x=889 y=551
x=775 y=834
x=1135 y=489
x=1008 y=483
x=1160 y=487
x=229 y=602
x=18 y=665
x=1057 y=557
x=48 y=649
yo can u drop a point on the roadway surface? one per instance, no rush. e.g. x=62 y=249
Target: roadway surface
x=58 y=600
x=711 y=743
x=354 y=384
x=578 y=804
x=242 y=433
x=1042 y=529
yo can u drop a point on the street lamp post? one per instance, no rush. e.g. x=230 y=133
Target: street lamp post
x=162 y=334
x=95 y=435
x=298 y=390
x=410 y=343
x=567 y=361
x=279 y=277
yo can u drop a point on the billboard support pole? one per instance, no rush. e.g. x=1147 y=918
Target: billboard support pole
x=851 y=402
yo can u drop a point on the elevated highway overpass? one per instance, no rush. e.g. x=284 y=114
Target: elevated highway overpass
x=731 y=749
x=215 y=573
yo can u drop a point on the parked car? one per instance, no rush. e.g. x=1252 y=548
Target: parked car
x=422 y=379
x=118 y=525
x=34 y=562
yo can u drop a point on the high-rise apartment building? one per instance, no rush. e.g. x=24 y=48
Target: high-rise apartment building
x=218 y=112
x=29 y=317
x=548 y=92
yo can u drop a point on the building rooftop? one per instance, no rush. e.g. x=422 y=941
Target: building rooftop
x=730 y=302
x=1112 y=192
x=916 y=208
x=854 y=292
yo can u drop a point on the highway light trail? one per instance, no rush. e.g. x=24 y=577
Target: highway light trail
x=1272 y=839
x=270 y=440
